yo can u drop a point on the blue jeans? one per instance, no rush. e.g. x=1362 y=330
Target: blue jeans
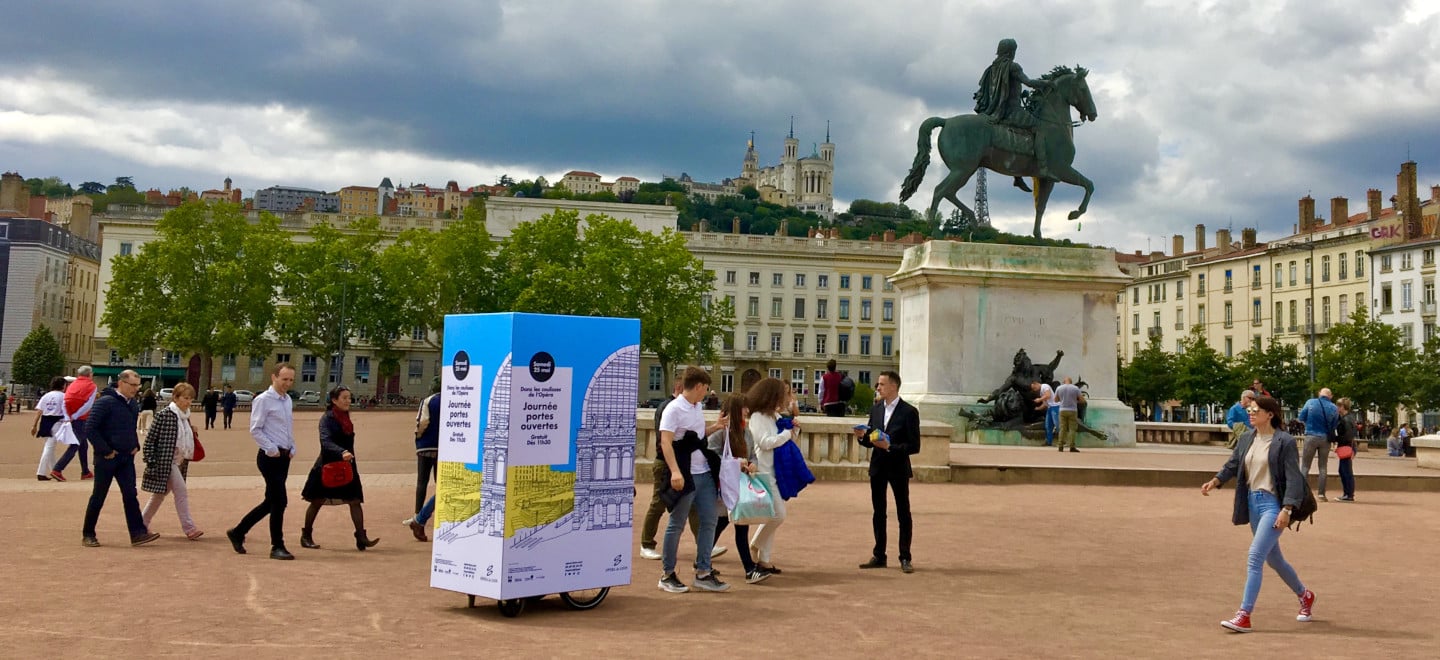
x=1052 y=424
x=1265 y=548
x=426 y=510
x=703 y=498
x=1347 y=476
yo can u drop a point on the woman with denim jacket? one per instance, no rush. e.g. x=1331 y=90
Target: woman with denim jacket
x=1270 y=487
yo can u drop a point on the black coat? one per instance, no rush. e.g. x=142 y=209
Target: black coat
x=111 y=424
x=1284 y=473
x=904 y=432
x=334 y=442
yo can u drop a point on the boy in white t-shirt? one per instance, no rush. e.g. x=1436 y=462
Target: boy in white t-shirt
x=682 y=447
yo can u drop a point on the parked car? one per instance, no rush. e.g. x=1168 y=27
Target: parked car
x=244 y=396
x=165 y=394
x=310 y=397
x=652 y=403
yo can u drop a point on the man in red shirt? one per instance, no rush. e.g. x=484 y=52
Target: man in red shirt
x=830 y=391
x=79 y=396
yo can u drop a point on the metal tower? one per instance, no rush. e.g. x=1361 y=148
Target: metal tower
x=982 y=200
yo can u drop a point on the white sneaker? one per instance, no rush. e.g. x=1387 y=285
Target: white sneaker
x=718 y=550
x=649 y=553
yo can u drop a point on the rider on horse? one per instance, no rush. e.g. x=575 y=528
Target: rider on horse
x=1000 y=99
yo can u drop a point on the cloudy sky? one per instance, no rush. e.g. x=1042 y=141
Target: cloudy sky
x=1213 y=111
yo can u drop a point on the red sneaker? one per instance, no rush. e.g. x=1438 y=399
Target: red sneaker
x=87 y=475
x=1239 y=623
x=56 y=476
x=1307 y=600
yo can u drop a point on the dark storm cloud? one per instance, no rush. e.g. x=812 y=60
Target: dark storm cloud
x=1212 y=112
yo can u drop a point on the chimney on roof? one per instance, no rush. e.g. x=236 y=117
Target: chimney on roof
x=1339 y=210
x=1407 y=188
x=1222 y=240
x=1247 y=238
x=1200 y=237
x=1373 y=202
x=1307 y=214
x=1435 y=194
x=1137 y=253
x=889 y=235
x=1177 y=244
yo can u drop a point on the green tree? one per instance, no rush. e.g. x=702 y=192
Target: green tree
x=1365 y=360
x=38 y=358
x=92 y=188
x=333 y=291
x=1149 y=378
x=1202 y=375
x=51 y=186
x=614 y=269
x=862 y=399
x=206 y=285
x=1279 y=366
x=1422 y=387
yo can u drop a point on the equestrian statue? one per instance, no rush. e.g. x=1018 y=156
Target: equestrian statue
x=1014 y=132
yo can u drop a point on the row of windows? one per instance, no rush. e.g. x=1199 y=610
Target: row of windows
x=799 y=341
x=1279 y=317
x=1386 y=303
x=822 y=281
x=822 y=308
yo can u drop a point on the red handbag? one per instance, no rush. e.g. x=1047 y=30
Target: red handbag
x=199 y=448
x=1345 y=452
x=336 y=474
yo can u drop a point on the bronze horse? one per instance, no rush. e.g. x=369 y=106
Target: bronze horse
x=969 y=142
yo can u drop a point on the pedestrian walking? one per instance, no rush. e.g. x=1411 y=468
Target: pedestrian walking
x=1345 y=451
x=49 y=411
x=111 y=429
x=1269 y=488
x=169 y=448
x=337 y=448
x=272 y=426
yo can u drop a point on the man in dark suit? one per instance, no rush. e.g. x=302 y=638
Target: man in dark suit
x=893 y=435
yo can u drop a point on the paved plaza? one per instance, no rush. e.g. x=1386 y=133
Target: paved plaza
x=1001 y=571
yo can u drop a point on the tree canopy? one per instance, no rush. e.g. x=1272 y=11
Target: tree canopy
x=611 y=268
x=206 y=285
x=38 y=358
x=1149 y=378
x=1365 y=360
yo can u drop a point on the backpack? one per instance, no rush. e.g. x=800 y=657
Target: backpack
x=847 y=389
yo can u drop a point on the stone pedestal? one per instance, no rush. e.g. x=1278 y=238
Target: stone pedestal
x=968 y=307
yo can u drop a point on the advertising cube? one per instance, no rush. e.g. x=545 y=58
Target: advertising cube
x=535 y=493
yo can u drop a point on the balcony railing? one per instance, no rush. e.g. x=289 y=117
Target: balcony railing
x=1229 y=288
x=1427 y=309
x=1179 y=325
x=1134 y=329
x=1229 y=324
x=1294 y=328
x=1257 y=322
x=1154 y=331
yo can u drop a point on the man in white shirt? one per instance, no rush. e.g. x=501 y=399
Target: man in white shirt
x=272 y=426
x=1051 y=406
x=683 y=433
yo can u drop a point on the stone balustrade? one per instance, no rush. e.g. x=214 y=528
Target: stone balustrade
x=1427 y=451
x=829 y=446
x=1182 y=434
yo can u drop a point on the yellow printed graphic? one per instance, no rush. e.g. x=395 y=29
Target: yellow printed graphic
x=537 y=495
x=457 y=493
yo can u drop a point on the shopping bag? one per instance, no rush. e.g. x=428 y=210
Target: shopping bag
x=729 y=476
x=756 y=504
